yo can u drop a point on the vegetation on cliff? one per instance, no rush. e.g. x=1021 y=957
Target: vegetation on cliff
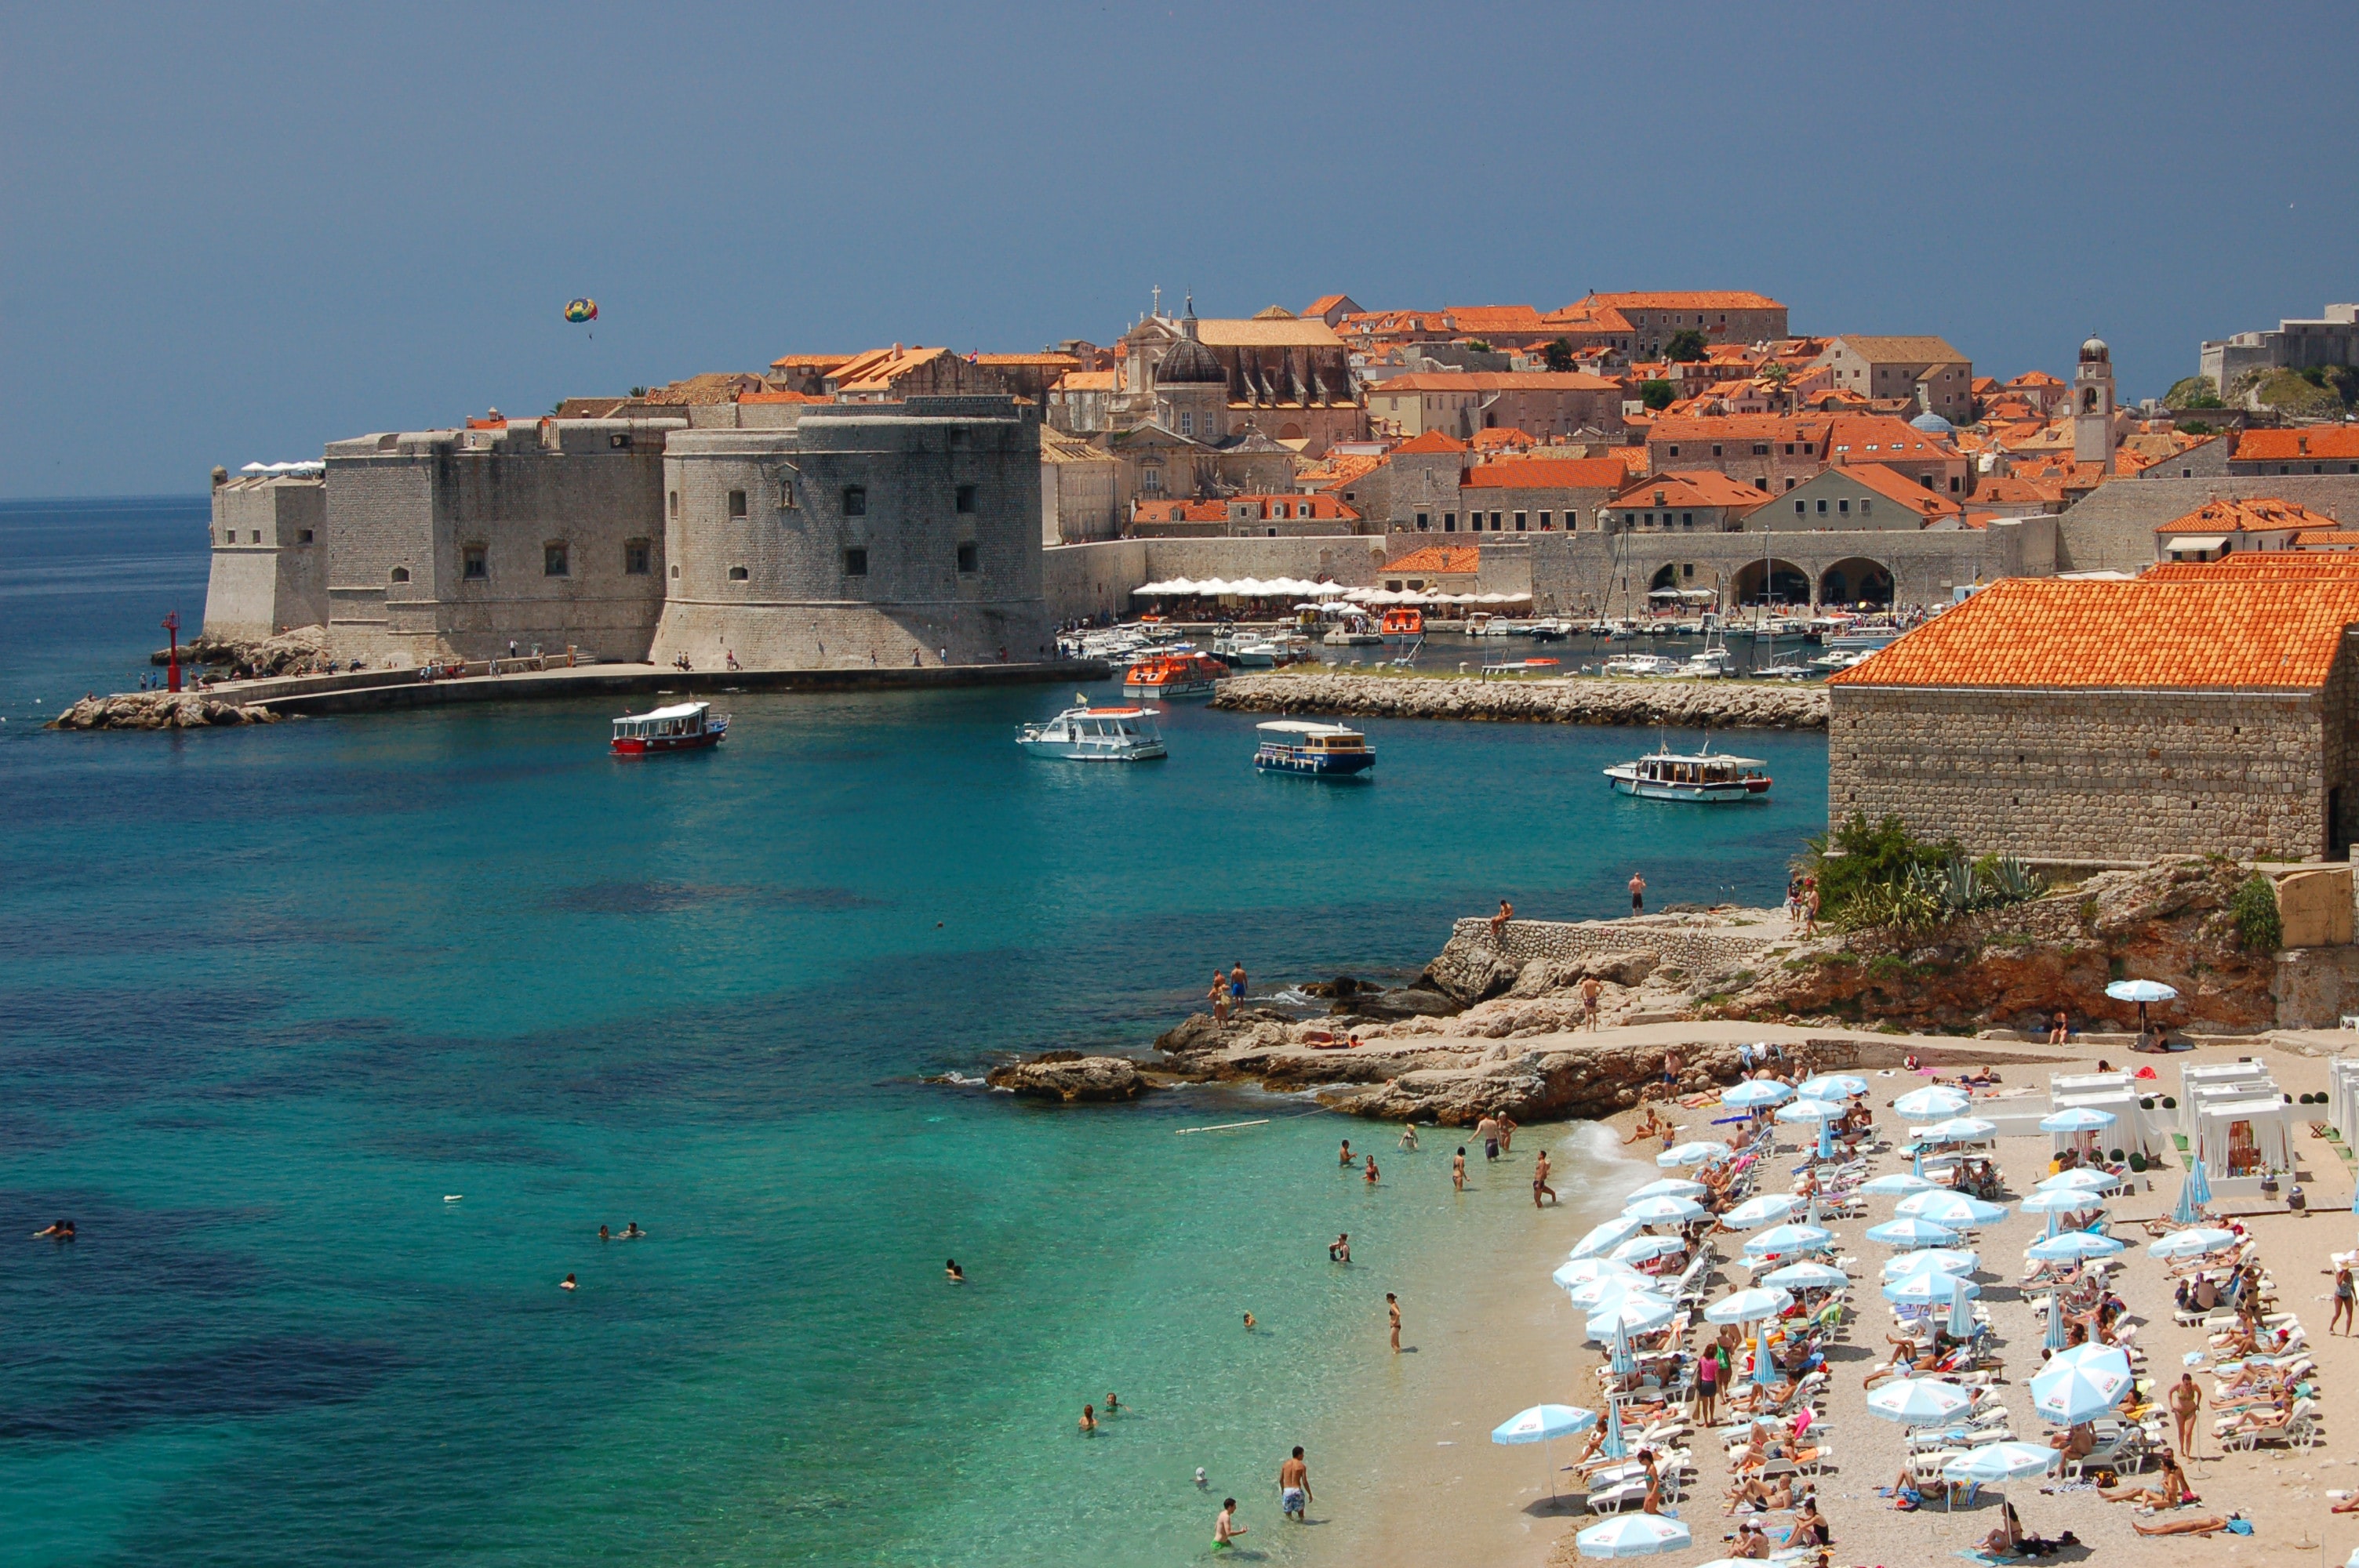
x=1877 y=876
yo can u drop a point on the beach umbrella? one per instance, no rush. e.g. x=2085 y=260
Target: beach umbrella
x=1898 y=1185
x=1614 y=1447
x=2191 y=1243
x=1639 y=1249
x=2078 y=1119
x=1918 y=1401
x=2057 y=1332
x=1667 y=1187
x=1956 y=1209
x=2071 y=1394
x=1996 y=1464
x=1635 y=1313
x=1604 y=1239
x=1747 y=1306
x=1807 y=1276
x=2144 y=993
x=1831 y=1086
x=1931 y=1103
x=1754 y=1093
x=2059 y=1201
x=1542 y=1425
x=1961 y=1316
x=1946 y=1260
x=1767 y=1209
x=1591 y=1294
x=1957 y=1130
x=2195 y=1195
x=1633 y=1535
x=1665 y=1211
x=1581 y=1271
x=1824 y=1113
x=1911 y=1233
x=1927 y=1287
x=2081 y=1178
x=1703 y=1151
x=1778 y=1240
x=2073 y=1246
x=2111 y=1359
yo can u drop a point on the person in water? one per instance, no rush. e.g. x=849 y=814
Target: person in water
x=59 y=1230
x=1345 y=1157
x=1112 y=1404
x=632 y=1232
x=1339 y=1250
x=1409 y=1136
x=566 y=1283
x=1250 y=1324
x=604 y=1234
x=1371 y=1176
x=951 y=1270
x=1225 y=1528
x=1088 y=1420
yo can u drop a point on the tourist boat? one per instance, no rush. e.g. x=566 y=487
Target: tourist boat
x=1189 y=674
x=686 y=727
x=1087 y=734
x=1323 y=751
x=1703 y=775
x=1403 y=622
x=1641 y=664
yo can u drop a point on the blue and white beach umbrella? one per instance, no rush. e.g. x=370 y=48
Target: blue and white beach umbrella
x=1911 y=1233
x=2195 y=1195
x=1927 y=1288
x=1831 y=1086
x=1581 y=1271
x=2091 y=1356
x=1666 y=1187
x=1959 y=1261
x=1957 y=1130
x=1701 y=1151
x=1807 y=1276
x=1996 y=1464
x=1768 y=1208
x=2072 y=1394
x=1665 y=1211
x=1636 y=1313
x=2078 y=1119
x=1824 y=1113
x=2058 y=1202
x=1604 y=1239
x=2081 y=1178
x=1633 y=1535
x=1778 y=1240
x=1614 y=1447
x=2057 y=1332
x=1755 y=1093
x=1897 y=1184
x=1956 y=1209
x=1931 y=1103
x=1961 y=1316
x=1748 y=1306
x=1640 y=1248
x=2193 y=1243
x=1590 y=1295
x=2073 y=1247
x=1542 y=1425
x=1918 y=1401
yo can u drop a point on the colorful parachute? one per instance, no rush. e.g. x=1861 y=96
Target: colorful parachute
x=580 y=310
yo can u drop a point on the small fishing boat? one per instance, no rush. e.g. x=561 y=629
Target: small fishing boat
x=1783 y=671
x=1704 y=775
x=685 y=727
x=1324 y=751
x=1189 y=674
x=1087 y=734
x=1839 y=660
x=1522 y=667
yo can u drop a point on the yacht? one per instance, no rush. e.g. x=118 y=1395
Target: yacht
x=1087 y=734
x=1704 y=775
x=1786 y=670
x=686 y=727
x=1323 y=751
x=1641 y=664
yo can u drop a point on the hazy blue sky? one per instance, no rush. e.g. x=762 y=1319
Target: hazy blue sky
x=233 y=232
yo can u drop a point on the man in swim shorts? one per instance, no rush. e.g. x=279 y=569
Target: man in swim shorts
x=1294 y=1487
x=1225 y=1528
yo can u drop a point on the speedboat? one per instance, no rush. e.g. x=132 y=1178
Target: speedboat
x=1087 y=734
x=1839 y=661
x=1704 y=775
x=1323 y=751
x=1641 y=664
x=1483 y=623
x=686 y=727
x=1189 y=674
x=1551 y=631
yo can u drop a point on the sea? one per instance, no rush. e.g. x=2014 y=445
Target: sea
x=339 y=1039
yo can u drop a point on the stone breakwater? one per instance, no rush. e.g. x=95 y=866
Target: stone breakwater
x=159 y=711
x=1692 y=704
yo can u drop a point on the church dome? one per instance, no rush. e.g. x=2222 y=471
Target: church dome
x=1932 y=424
x=1189 y=363
x=2094 y=351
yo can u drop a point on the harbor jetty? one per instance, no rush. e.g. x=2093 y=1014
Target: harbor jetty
x=1571 y=700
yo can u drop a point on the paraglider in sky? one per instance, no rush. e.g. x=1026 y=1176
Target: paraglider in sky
x=580 y=310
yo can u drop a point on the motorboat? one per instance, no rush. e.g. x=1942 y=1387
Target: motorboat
x=1252 y=652
x=1403 y=621
x=1704 y=775
x=1863 y=639
x=1483 y=623
x=1787 y=670
x=1174 y=673
x=684 y=727
x=1522 y=667
x=1708 y=663
x=1839 y=661
x=1649 y=664
x=1087 y=734
x=1320 y=751
x=1551 y=631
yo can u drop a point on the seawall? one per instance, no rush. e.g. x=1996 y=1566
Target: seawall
x=1719 y=704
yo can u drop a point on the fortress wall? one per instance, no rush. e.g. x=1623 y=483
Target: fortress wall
x=269 y=557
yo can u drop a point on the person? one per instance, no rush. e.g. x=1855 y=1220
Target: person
x=1339 y=1250
x=1654 y=1503
x=1201 y=1484
x=1249 y=1323
x=1370 y=1177
x=57 y=1231
x=1499 y=922
x=1219 y=997
x=605 y=1235
x=1809 y=1525
x=1488 y=1129
x=1637 y=893
x=2186 y=1403
x=1112 y=1404
x=632 y=1232
x=2344 y=1295
x=1392 y=1311
x=1540 y=1180
x=1810 y=906
x=952 y=1272
x=1343 y=1158
x=1752 y=1541
x=1088 y=1420
x=2209 y=1524
x=1647 y=1126
x=1708 y=1371
x=1507 y=1133
x=566 y=1283
x=1767 y=1497
x=1458 y=1168
x=2167 y=1493
x=2076 y=1441
x=2004 y=1540
x=1590 y=992
x=1671 y=1066
x=1409 y=1136
x=2059 y=1028
x=1237 y=984
x=731 y=655
x=1225 y=1528
x=1294 y=1487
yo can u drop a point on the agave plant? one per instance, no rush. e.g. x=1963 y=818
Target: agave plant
x=1961 y=891
x=2011 y=881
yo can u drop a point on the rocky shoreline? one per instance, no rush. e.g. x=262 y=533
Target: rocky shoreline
x=159 y=711
x=1578 y=699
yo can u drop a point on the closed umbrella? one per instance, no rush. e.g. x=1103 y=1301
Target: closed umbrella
x=1542 y=1425
x=2195 y=1195
x=1667 y=1187
x=1807 y=1276
x=1898 y=1185
x=1961 y=1316
x=1831 y=1086
x=2056 y=1332
x=2072 y=1394
x=1778 y=1240
x=1702 y=1151
x=1931 y=1103
x=1767 y=1209
x=1633 y=1535
x=1955 y=1260
x=1754 y=1093
x=1604 y=1239
x=1636 y=1313
x=2191 y=1243
x=1911 y=1233
x=1918 y=1401
x=1614 y=1447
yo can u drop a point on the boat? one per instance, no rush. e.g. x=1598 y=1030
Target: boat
x=1522 y=667
x=1710 y=663
x=1787 y=670
x=1189 y=674
x=1483 y=623
x=1641 y=664
x=1403 y=622
x=684 y=727
x=1253 y=652
x=1704 y=775
x=1551 y=631
x=1863 y=639
x=1839 y=660
x=1322 y=750
x=1087 y=734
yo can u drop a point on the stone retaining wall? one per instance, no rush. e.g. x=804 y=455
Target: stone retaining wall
x=1685 y=947
x=1709 y=704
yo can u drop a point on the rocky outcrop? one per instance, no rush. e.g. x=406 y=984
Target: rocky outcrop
x=291 y=652
x=1692 y=704
x=158 y=710
x=1072 y=1077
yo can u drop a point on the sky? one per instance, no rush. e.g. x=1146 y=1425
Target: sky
x=231 y=232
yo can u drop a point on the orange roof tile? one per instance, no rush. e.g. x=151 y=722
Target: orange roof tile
x=1501 y=437
x=2298 y=445
x=1928 y=505
x=1445 y=559
x=1550 y=473
x=1431 y=441
x=2183 y=631
x=2254 y=564
x=780 y=397
x=1677 y=299
x=2326 y=539
x=2259 y=514
x=1498 y=381
x=1691 y=487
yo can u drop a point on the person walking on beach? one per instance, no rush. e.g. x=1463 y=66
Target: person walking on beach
x=2186 y=1404
x=1672 y=1065
x=1637 y=892
x=1499 y=921
x=1294 y=1487
x=1540 y=1180
x=2344 y=1295
x=1392 y=1311
x=1225 y=1528
x=1590 y=992
x=1458 y=1168
x=1707 y=1384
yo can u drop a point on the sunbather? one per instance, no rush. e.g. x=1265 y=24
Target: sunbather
x=2170 y=1492
x=2209 y=1524
x=1771 y=1497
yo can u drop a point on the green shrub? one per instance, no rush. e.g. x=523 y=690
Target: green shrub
x=2115 y=1155
x=2170 y=1102
x=2255 y=909
x=2137 y=1160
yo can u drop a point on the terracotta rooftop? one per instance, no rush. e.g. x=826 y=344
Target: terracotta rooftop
x=2177 y=629
x=1927 y=503
x=2299 y=445
x=2327 y=539
x=2255 y=564
x=2261 y=515
x=1499 y=380
x=1444 y=560
x=1696 y=487
x=1702 y=299
x=1903 y=351
x=1431 y=441
x=1551 y=473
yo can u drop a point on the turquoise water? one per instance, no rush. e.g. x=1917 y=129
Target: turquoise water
x=267 y=996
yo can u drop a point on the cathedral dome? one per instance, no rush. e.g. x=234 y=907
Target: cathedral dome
x=2095 y=352
x=1189 y=363
x=1932 y=424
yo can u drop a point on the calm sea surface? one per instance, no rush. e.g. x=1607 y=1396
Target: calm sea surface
x=339 y=1039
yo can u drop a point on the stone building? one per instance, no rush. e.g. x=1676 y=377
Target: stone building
x=2332 y=340
x=1081 y=491
x=2203 y=711
x=1702 y=500
x=1866 y=496
x=2309 y=450
x=270 y=567
x=1925 y=370
x=1722 y=315
x=1276 y=373
x=1775 y=453
x=1539 y=494
x=1459 y=404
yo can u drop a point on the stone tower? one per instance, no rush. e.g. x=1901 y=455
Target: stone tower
x=2093 y=406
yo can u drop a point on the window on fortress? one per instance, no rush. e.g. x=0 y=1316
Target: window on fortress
x=970 y=556
x=856 y=502
x=400 y=574
x=737 y=503
x=637 y=557
x=674 y=503
x=553 y=560
x=1865 y=506
x=474 y=563
x=1423 y=522
x=736 y=574
x=258 y=535
x=963 y=499
x=855 y=563
x=1519 y=522
x=304 y=537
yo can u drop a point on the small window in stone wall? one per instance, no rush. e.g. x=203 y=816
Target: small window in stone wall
x=258 y=535
x=737 y=503
x=400 y=574
x=553 y=559
x=737 y=574
x=855 y=562
x=638 y=557
x=305 y=537
x=970 y=557
x=855 y=501
x=963 y=498
x=675 y=571
x=474 y=563
x=673 y=504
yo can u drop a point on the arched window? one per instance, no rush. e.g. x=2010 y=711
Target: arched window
x=400 y=574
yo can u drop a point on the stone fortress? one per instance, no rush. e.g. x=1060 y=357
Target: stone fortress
x=828 y=536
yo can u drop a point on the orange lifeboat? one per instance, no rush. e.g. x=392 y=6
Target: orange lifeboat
x=1403 y=622
x=1174 y=675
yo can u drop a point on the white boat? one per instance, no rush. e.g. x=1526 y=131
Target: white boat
x=1483 y=623
x=1315 y=751
x=1087 y=734
x=1704 y=775
x=1649 y=664
x=1865 y=639
x=1839 y=661
x=1710 y=663
x=1786 y=671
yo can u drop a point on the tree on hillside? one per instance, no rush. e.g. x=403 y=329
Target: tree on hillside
x=1686 y=346
x=1559 y=356
x=2193 y=391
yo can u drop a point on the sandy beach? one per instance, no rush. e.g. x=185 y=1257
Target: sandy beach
x=1498 y=1337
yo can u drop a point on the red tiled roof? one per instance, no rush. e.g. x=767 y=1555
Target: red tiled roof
x=1696 y=487
x=2255 y=564
x=2195 y=628
x=1447 y=560
x=1675 y=299
x=1498 y=381
x=1928 y=505
x=1431 y=441
x=778 y=397
x=2298 y=445
x=1550 y=473
x=2261 y=515
x=2326 y=539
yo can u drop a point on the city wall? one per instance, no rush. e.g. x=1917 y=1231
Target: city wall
x=2112 y=528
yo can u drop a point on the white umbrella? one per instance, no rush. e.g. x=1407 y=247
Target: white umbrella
x=1957 y=1130
x=1755 y=1092
x=1993 y=1462
x=1748 y=1306
x=1808 y=1110
x=1667 y=1187
x=1581 y=1271
x=1639 y=1248
x=1665 y=1211
x=2142 y=992
x=1833 y=1085
x=2071 y=1245
x=1328 y=590
x=1635 y=1313
x=1918 y=1401
x=1911 y=1233
x=2071 y=1394
x=1633 y=1535
x=1703 y=1151
x=2078 y=1119
x=1956 y=1261
x=1899 y=1183
x=2191 y=1243
x=2082 y=1177
x=2065 y=1200
x=1542 y=1425
x=1590 y=1295
x=1944 y=1206
x=1768 y=1208
x=1932 y=1101
x=1807 y=1276
x=2092 y=1356
x=1781 y=1240
x=1604 y=1239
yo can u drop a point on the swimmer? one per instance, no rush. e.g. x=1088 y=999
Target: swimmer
x=60 y=1230
x=1249 y=1323
x=1409 y=1136
x=1200 y=1477
x=1294 y=1488
x=1392 y=1310
x=1225 y=1528
x=1112 y=1404
x=951 y=1270
x=1458 y=1168
x=604 y=1234
x=1345 y=1157
x=1088 y=1420
x=566 y=1283
x=1339 y=1250
x=632 y=1232
x=1370 y=1176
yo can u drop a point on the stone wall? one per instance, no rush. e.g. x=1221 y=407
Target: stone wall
x=1086 y=580
x=270 y=557
x=2094 y=775
x=2112 y=528
x=1709 y=950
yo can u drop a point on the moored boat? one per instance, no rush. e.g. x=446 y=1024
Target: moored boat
x=1189 y=674
x=1087 y=734
x=684 y=727
x=1704 y=775
x=1299 y=746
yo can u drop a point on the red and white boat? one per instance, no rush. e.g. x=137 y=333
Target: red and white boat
x=687 y=727
x=1189 y=674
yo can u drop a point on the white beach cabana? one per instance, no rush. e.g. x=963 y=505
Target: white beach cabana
x=2236 y=1138
x=2196 y=1078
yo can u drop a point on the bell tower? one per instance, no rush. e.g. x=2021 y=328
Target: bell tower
x=2093 y=406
